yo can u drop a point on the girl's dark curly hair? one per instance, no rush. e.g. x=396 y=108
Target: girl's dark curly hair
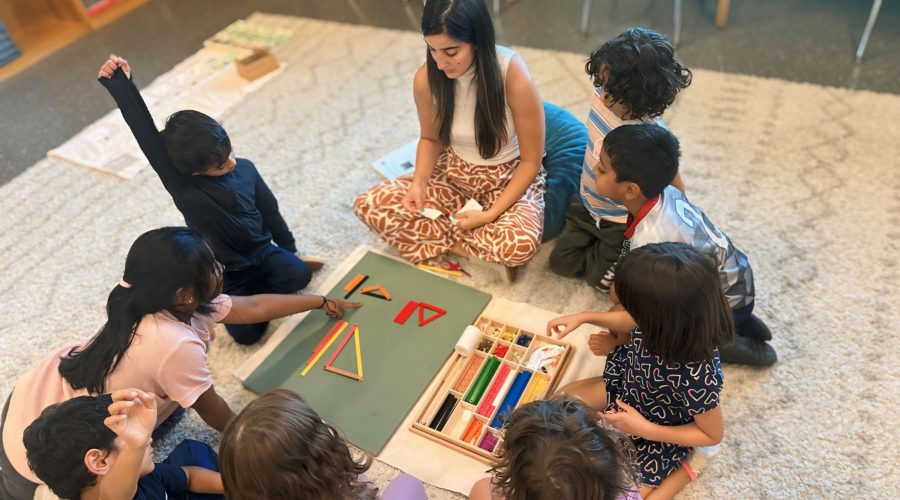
x=557 y=450
x=638 y=69
x=279 y=448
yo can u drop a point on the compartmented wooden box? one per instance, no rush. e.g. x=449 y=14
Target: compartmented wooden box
x=509 y=367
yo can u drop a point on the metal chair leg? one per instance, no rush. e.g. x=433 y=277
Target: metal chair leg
x=873 y=15
x=677 y=38
x=585 y=16
x=496 y=6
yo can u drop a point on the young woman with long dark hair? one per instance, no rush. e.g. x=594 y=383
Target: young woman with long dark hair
x=481 y=137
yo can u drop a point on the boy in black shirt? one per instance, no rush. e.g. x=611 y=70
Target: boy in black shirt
x=222 y=197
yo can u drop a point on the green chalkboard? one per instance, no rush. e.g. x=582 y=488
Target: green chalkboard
x=398 y=360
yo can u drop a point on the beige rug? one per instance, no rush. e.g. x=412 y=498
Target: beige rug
x=804 y=178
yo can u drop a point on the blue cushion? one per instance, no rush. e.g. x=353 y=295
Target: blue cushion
x=565 y=144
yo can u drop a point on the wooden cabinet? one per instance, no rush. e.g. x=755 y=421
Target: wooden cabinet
x=40 y=27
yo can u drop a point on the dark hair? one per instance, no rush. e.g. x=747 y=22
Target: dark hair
x=468 y=21
x=638 y=69
x=279 y=446
x=557 y=450
x=646 y=154
x=195 y=141
x=159 y=263
x=56 y=442
x=672 y=291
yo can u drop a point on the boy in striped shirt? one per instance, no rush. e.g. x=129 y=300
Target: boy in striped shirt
x=636 y=77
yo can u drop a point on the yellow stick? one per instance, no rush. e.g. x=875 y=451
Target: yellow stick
x=322 y=351
x=359 y=368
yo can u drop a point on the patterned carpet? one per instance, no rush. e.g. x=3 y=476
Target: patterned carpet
x=804 y=178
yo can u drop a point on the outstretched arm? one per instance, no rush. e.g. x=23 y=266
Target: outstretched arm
x=269 y=306
x=115 y=75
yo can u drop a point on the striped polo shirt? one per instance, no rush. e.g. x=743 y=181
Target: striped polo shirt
x=600 y=121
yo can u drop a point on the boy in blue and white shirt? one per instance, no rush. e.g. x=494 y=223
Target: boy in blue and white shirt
x=636 y=166
x=636 y=78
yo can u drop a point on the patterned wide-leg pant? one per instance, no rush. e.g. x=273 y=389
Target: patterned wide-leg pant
x=511 y=240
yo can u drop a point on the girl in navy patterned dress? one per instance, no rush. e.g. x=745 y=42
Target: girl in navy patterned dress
x=662 y=378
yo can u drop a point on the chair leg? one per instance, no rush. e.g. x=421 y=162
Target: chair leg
x=722 y=13
x=873 y=15
x=496 y=6
x=585 y=16
x=677 y=21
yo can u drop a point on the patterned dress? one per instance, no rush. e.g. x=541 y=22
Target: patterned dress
x=665 y=393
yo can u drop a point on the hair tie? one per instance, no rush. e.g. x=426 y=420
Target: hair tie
x=123 y=283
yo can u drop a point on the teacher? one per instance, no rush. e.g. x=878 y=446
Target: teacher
x=481 y=137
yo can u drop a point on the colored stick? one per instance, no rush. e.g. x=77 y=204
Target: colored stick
x=512 y=397
x=350 y=292
x=359 y=367
x=406 y=312
x=318 y=355
x=355 y=282
x=336 y=329
x=485 y=408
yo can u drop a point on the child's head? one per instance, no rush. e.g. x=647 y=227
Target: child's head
x=638 y=69
x=68 y=446
x=672 y=291
x=170 y=268
x=278 y=446
x=636 y=160
x=197 y=144
x=460 y=34
x=557 y=450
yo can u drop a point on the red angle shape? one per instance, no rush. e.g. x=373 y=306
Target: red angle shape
x=437 y=310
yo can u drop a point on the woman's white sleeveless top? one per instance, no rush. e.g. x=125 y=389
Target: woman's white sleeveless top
x=462 y=134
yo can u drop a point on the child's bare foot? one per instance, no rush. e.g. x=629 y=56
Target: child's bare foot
x=313 y=262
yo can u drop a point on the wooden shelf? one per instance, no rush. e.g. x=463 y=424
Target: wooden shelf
x=113 y=12
x=41 y=27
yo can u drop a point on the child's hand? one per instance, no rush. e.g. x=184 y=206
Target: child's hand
x=109 y=67
x=132 y=416
x=563 y=325
x=601 y=343
x=335 y=308
x=626 y=419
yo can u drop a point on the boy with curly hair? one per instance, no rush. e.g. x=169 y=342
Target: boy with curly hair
x=637 y=78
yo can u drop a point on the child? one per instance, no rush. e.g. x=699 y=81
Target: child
x=161 y=319
x=662 y=380
x=637 y=78
x=222 y=197
x=637 y=163
x=98 y=447
x=279 y=446
x=556 y=450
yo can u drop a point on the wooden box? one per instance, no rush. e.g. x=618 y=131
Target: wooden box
x=258 y=64
x=476 y=393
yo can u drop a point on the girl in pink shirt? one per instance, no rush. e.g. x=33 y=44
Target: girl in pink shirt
x=161 y=319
